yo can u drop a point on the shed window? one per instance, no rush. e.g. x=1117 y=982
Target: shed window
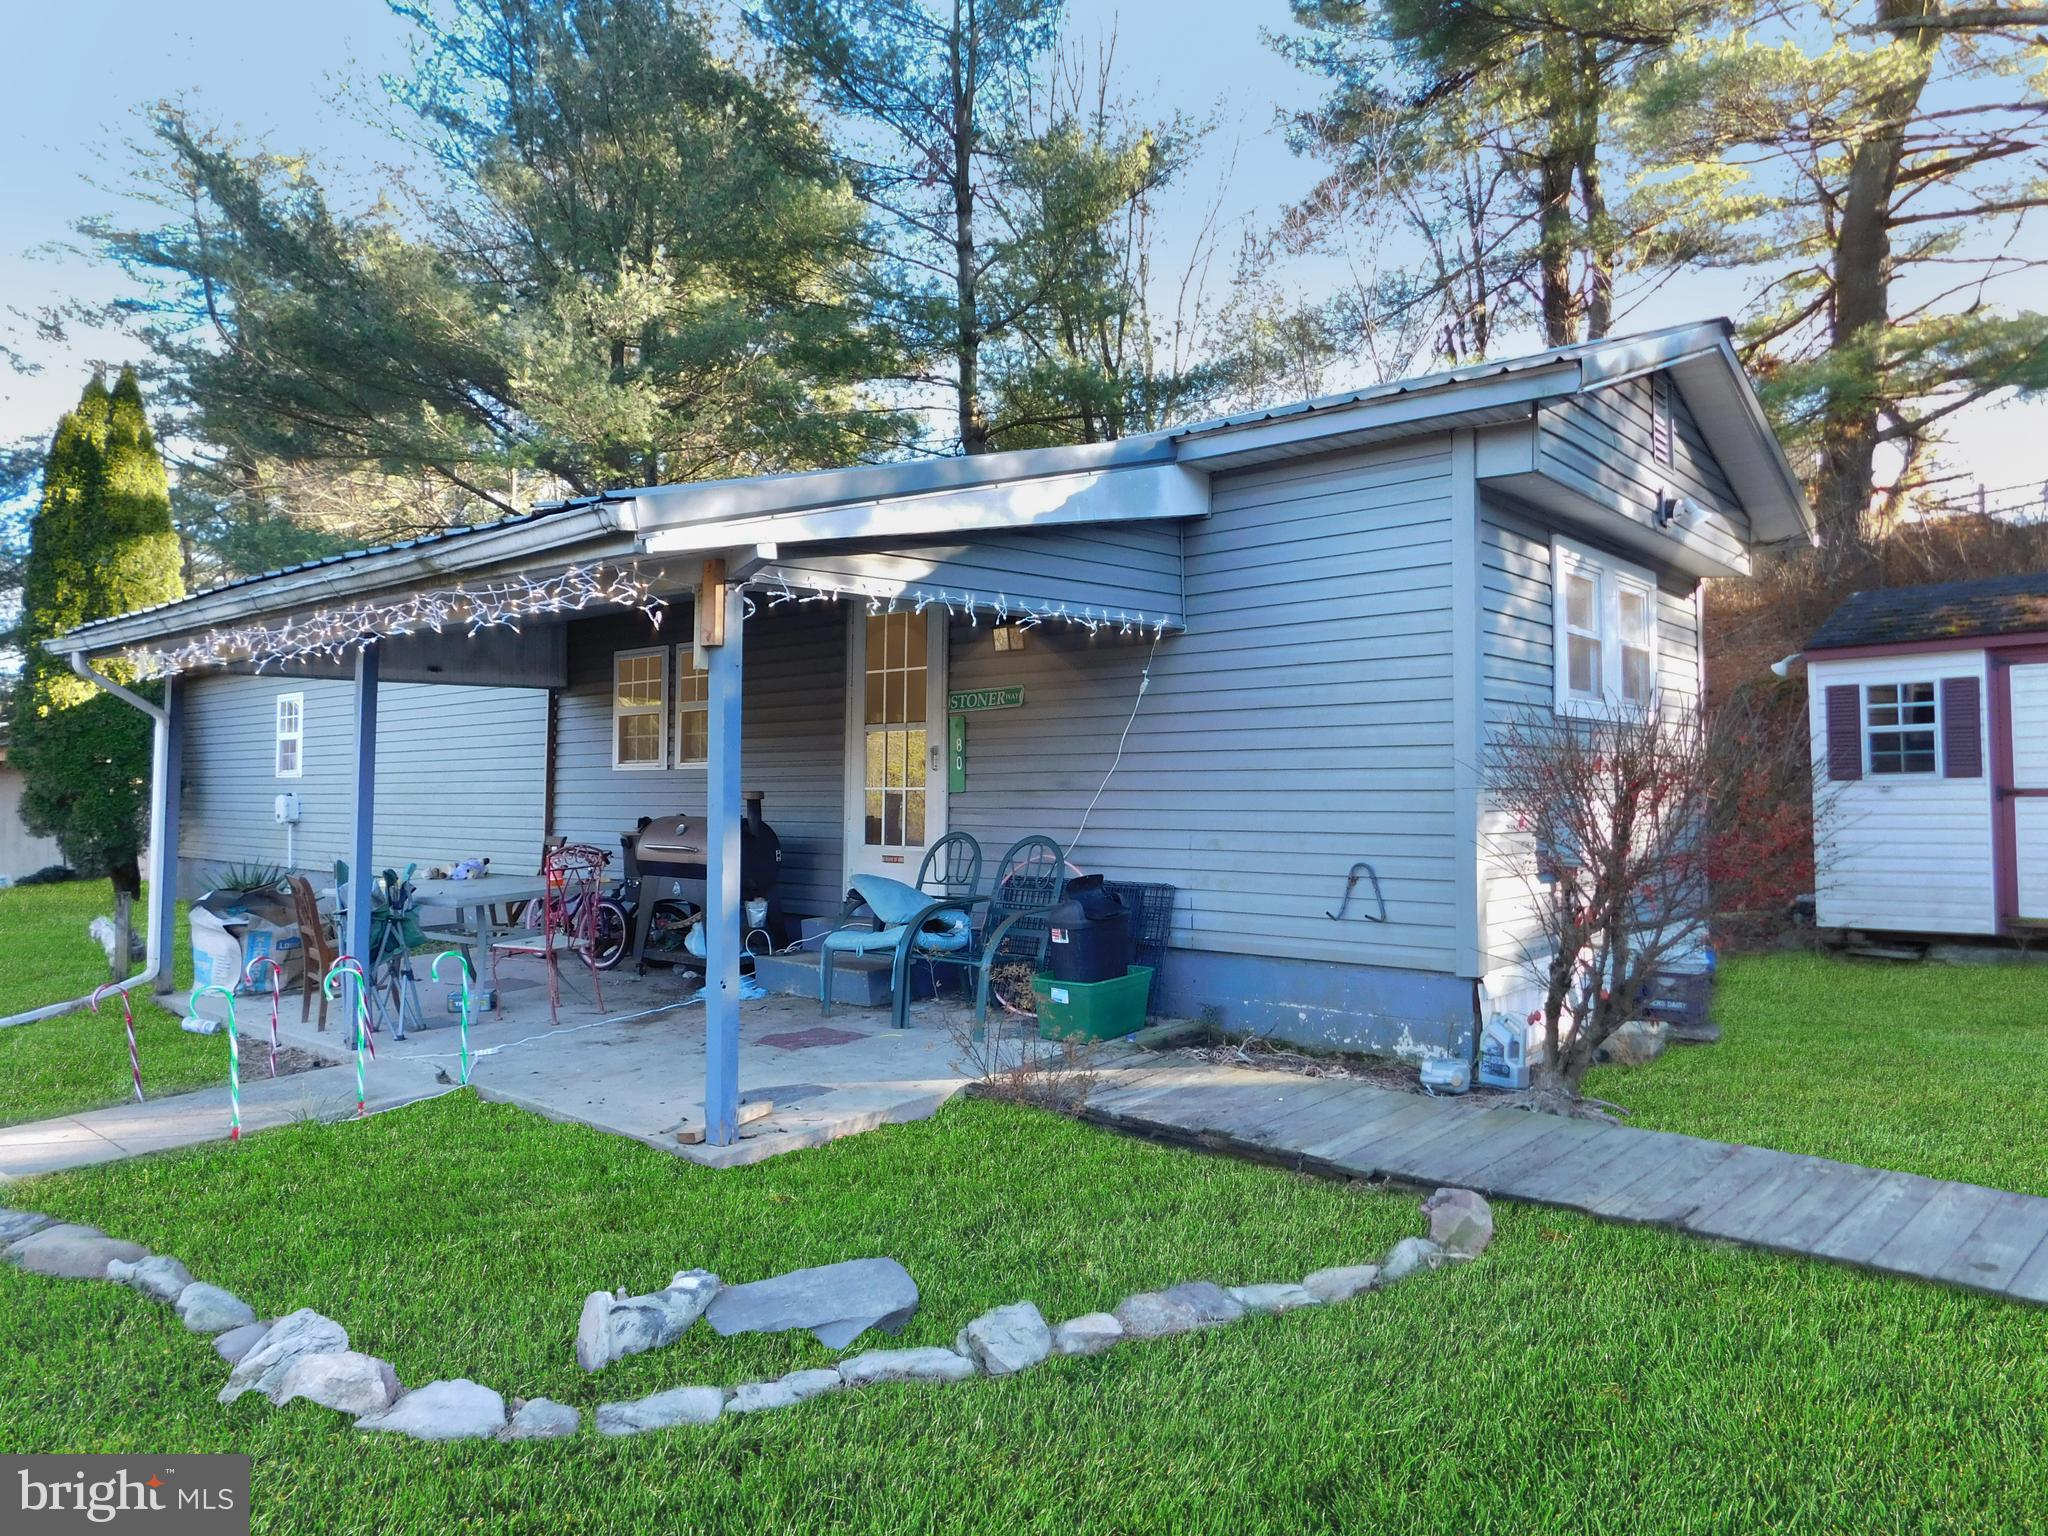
x=1900 y=724
x=1605 y=615
x=640 y=709
x=693 y=710
x=291 y=735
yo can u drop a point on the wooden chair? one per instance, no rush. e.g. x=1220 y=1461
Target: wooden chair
x=318 y=948
x=568 y=920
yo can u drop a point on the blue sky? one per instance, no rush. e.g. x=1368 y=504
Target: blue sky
x=268 y=70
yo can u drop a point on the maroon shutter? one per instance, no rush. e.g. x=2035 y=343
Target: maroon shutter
x=1962 y=734
x=1845 y=731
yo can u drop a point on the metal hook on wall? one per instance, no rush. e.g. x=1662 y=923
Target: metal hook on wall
x=1350 y=885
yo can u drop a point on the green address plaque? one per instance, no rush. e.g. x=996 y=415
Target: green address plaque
x=968 y=700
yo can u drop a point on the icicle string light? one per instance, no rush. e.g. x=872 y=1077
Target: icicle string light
x=968 y=605
x=333 y=634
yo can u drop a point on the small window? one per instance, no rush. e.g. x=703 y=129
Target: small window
x=291 y=735
x=640 y=709
x=1606 y=632
x=1899 y=720
x=693 y=710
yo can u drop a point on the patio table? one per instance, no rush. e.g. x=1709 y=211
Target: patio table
x=477 y=896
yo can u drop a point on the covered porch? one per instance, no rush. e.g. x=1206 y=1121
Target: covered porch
x=517 y=605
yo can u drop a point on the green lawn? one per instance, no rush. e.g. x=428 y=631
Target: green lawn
x=1580 y=1378
x=1933 y=1069
x=80 y=1061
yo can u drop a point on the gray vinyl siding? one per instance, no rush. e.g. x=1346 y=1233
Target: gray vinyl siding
x=793 y=727
x=1600 y=443
x=1516 y=676
x=22 y=852
x=1302 y=722
x=1118 y=567
x=460 y=773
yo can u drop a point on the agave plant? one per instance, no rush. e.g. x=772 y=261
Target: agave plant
x=248 y=877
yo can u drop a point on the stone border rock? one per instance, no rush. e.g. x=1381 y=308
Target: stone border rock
x=306 y=1355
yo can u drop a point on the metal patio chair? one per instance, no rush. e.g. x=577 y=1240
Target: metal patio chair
x=568 y=920
x=1031 y=879
x=910 y=922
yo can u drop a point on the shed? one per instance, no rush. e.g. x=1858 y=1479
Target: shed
x=1929 y=712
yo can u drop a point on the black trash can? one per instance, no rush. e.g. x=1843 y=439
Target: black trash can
x=1090 y=938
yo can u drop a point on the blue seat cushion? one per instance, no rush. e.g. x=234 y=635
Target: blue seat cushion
x=895 y=904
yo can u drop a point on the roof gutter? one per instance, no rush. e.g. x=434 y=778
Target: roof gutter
x=159 y=854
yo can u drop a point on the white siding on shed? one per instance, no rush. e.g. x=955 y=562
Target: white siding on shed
x=460 y=773
x=1905 y=854
x=21 y=851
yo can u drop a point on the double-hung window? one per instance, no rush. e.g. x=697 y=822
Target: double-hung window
x=1900 y=726
x=290 y=736
x=640 y=708
x=693 y=710
x=1604 y=632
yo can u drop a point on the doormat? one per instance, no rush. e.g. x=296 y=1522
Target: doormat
x=810 y=1039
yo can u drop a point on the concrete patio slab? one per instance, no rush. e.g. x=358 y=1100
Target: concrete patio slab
x=636 y=1067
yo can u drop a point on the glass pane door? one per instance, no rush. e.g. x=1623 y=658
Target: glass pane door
x=896 y=706
x=894 y=808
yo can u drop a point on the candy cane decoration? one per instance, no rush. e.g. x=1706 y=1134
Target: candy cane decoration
x=434 y=970
x=128 y=1018
x=350 y=965
x=334 y=974
x=234 y=1057
x=276 y=975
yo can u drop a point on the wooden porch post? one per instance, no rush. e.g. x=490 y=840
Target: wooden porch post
x=361 y=854
x=721 y=614
x=163 y=833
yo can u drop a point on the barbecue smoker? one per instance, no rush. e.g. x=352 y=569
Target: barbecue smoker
x=665 y=859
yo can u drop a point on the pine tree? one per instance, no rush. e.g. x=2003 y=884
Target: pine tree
x=101 y=544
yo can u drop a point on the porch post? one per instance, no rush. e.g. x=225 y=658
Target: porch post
x=361 y=851
x=163 y=833
x=724 y=932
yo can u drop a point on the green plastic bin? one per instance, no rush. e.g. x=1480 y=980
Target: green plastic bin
x=1092 y=1010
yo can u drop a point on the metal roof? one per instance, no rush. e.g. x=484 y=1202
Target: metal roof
x=1949 y=610
x=1728 y=412
x=343 y=557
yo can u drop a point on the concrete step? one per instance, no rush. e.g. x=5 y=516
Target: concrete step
x=859 y=981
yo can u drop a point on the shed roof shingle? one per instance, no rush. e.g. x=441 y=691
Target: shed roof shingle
x=1950 y=610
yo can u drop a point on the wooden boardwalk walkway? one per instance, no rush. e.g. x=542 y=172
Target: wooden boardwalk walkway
x=1899 y=1223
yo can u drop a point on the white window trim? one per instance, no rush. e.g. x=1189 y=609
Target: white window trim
x=1610 y=574
x=297 y=736
x=1865 y=728
x=683 y=664
x=660 y=710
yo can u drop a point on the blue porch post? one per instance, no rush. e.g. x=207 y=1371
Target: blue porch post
x=163 y=835
x=360 y=879
x=725 y=932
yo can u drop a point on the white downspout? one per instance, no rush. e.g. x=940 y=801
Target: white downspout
x=159 y=854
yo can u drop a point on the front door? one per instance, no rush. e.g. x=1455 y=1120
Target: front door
x=895 y=740
x=2026 y=798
